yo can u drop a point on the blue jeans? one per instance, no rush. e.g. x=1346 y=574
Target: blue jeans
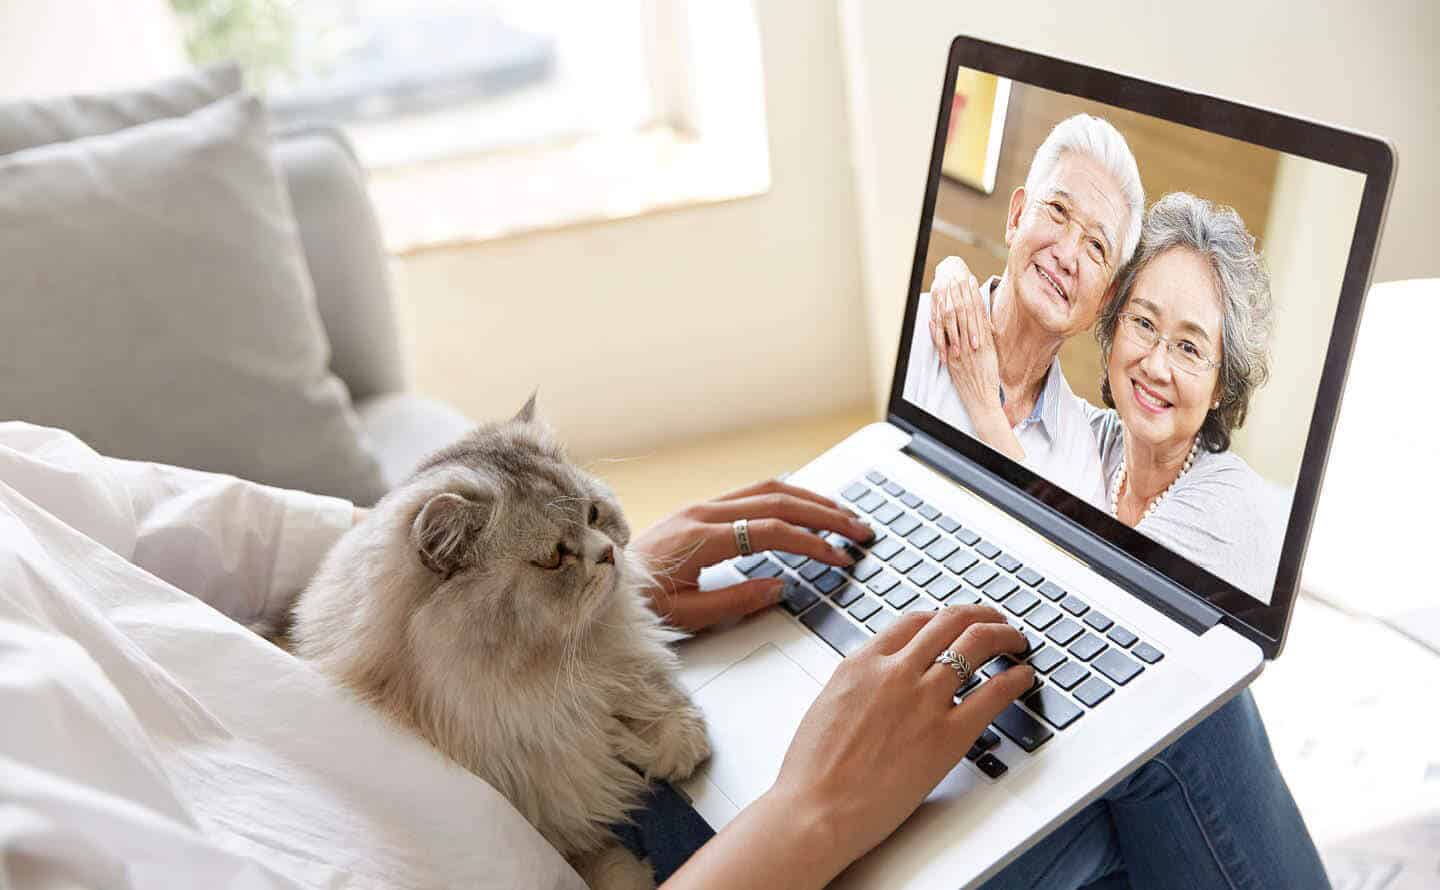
x=1210 y=811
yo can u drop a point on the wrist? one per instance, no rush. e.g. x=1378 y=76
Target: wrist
x=812 y=831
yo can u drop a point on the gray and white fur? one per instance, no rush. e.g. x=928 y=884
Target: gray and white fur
x=489 y=604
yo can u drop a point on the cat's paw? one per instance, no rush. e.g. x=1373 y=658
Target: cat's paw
x=615 y=868
x=680 y=745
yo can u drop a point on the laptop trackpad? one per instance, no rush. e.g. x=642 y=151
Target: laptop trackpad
x=753 y=709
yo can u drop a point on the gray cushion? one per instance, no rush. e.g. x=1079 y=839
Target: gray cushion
x=153 y=299
x=28 y=123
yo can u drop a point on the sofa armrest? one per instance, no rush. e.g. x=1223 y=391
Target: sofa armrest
x=405 y=428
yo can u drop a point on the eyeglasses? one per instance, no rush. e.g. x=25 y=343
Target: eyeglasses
x=1182 y=354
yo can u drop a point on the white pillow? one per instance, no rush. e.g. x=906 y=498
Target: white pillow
x=154 y=301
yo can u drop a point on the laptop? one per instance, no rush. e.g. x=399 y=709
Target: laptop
x=1133 y=642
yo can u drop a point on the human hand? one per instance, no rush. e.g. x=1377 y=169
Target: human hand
x=780 y=518
x=885 y=731
x=961 y=328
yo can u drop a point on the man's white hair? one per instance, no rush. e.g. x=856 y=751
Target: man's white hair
x=1097 y=139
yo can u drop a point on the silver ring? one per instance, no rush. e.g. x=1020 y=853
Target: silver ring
x=742 y=536
x=957 y=663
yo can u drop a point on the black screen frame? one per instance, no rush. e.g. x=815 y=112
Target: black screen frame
x=1266 y=625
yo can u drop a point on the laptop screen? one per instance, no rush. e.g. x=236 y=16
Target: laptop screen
x=1138 y=310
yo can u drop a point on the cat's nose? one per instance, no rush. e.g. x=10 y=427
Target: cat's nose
x=608 y=554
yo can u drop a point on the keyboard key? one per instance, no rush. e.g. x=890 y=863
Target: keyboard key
x=745 y=563
x=980 y=574
x=893 y=488
x=904 y=525
x=942 y=587
x=1087 y=647
x=1021 y=728
x=906 y=561
x=1029 y=576
x=967 y=686
x=834 y=628
x=1074 y=605
x=1007 y=562
x=947 y=525
x=987 y=741
x=871 y=502
x=922 y=537
x=910 y=500
x=928 y=512
x=864 y=607
x=1117 y=667
x=941 y=549
x=901 y=596
x=966 y=536
x=1033 y=640
x=1043 y=617
x=796 y=598
x=866 y=568
x=883 y=583
x=962 y=560
x=876 y=477
x=1053 y=707
x=827 y=582
x=855 y=492
x=881 y=620
x=1069 y=674
x=1047 y=659
x=922 y=605
x=1020 y=602
x=1121 y=637
x=887 y=549
x=1147 y=653
x=1000 y=587
x=888 y=514
x=963 y=597
x=812 y=570
x=923 y=574
x=847 y=595
x=1093 y=691
x=767 y=569
x=987 y=550
x=1098 y=621
x=1052 y=591
x=793 y=560
x=997 y=665
x=991 y=765
x=1063 y=631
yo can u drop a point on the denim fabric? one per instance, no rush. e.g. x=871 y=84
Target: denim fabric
x=665 y=829
x=1210 y=812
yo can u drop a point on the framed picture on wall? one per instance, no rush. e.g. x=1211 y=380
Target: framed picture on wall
x=977 y=125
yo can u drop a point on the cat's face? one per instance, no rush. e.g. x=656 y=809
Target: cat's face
x=516 y=536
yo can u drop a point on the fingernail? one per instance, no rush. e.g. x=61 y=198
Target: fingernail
x=776 y=589
x=841 y=552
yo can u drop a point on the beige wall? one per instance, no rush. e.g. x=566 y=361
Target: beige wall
x=680 y=323
x=1350 y=62
x=54 y=47
x=1312 y=221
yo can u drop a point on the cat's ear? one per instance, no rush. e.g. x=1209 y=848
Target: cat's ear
x=527 y=412
x=444 y=532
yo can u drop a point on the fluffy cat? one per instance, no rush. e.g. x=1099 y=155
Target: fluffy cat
x=489 y=603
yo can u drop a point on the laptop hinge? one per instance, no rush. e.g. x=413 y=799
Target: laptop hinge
x=1124 y=570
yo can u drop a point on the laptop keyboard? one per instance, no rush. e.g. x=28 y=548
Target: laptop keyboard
x=921 y=559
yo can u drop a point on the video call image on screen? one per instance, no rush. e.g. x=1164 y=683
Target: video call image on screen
x=1134 y=309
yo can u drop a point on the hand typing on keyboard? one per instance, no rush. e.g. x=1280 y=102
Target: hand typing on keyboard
x=780 y=517
x=883 y=733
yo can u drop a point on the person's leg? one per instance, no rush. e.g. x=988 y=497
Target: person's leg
x=665 y=830
x=1210 y=811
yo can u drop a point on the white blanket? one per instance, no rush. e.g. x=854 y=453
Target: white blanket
x=147 y=740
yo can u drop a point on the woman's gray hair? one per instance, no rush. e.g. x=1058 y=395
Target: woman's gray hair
x=1218 y=235
x=1097 y=139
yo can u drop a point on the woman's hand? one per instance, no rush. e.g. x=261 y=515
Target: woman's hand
x=780 y=518
x=880 y=737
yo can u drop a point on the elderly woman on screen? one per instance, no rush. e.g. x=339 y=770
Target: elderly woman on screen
x=1185 y=344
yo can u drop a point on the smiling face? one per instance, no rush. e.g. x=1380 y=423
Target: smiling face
x=1065 y=245
x=1160 y=406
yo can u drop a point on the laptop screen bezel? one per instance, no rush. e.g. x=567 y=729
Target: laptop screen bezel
x=1374 y=158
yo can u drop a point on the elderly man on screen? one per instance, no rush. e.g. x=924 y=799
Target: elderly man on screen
x=1070 y=229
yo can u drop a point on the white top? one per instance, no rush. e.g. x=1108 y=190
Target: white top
x=1220 y=514
x=148 y=741
x=1056 y=436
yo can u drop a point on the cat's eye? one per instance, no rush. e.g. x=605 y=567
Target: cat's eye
x=594 y=514
x=553 y=560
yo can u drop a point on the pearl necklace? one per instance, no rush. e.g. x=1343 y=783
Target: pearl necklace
x=1155 y=501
